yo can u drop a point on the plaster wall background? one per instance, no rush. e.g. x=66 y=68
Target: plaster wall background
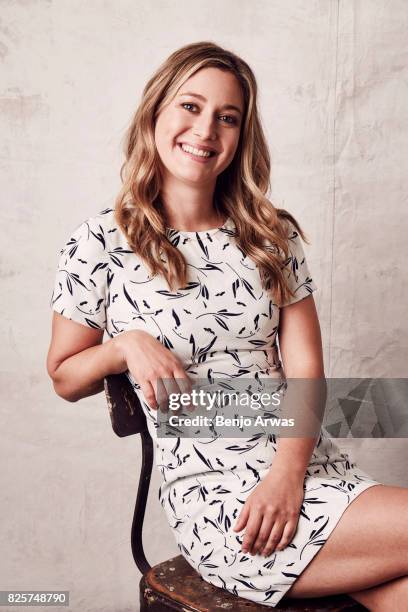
x=333 y=80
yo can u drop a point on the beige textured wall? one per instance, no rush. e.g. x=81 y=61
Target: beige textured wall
x=333 y=81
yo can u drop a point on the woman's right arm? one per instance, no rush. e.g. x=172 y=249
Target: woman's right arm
x=78 y=360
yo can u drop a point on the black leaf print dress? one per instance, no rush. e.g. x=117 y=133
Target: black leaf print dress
x=221 y=324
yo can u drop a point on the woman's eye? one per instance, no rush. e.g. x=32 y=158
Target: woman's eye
x=230 y=119
x=187 y=104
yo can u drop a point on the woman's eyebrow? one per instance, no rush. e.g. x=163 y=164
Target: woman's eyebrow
x=200 y=97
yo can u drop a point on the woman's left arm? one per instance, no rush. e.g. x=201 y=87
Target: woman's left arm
x=301 y=350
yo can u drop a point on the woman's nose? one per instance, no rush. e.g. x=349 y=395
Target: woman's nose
x=204 y=127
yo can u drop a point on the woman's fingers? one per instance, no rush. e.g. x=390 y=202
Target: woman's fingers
x=278 y=539
x=158 y=391
x=242 y=519
x=185 y=388
x=263 y=534
x=288 y=534
x=149 y=394
x=252 y=529
x=183 y=381
x=172 y=388
x=162 y=392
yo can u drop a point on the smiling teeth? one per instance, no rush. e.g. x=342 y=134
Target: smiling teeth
x=198 y=152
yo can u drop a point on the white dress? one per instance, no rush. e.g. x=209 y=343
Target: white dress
x=221 y=324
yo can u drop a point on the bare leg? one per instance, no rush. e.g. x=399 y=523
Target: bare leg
x=368 y=547
x=390 y=596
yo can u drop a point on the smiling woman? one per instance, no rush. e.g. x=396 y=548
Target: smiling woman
x=206 y=139
x=195 y=275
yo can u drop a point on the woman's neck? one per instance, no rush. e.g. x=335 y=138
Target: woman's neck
x=190 y=208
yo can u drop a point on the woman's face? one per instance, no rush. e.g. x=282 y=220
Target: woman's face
x=205 y=115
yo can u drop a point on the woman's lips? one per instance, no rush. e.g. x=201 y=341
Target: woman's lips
x=202 y=160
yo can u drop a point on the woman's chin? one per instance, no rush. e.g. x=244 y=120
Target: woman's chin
x=193 y=176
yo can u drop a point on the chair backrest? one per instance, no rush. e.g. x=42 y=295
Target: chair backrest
x=127 y=419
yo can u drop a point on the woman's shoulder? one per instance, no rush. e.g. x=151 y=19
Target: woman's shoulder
x=97 y=234
x=288 y=224
x=102 y=223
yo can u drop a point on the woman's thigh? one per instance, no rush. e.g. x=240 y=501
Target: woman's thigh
x=368 y=546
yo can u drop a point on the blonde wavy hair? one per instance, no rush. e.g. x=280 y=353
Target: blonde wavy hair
x=261 y=228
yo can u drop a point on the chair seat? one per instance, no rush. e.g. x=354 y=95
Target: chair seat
x=175 y=585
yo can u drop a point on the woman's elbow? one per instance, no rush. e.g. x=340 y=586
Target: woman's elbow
x=63 y=392
x=313 y=368
x=60 y=387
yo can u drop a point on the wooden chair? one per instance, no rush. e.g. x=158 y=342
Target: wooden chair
x=174 y=584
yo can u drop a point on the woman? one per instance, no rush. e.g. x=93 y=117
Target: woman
x=195 y=274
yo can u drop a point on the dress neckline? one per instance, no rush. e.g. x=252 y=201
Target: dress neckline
x=201 y=234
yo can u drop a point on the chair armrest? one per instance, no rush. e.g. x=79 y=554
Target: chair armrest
x=125 y=410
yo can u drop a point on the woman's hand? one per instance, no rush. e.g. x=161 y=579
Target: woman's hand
x=148 y=361
x=271 y=513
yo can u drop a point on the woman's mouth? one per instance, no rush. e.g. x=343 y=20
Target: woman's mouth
x=199 y=155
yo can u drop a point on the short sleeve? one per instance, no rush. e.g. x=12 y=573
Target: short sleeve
x=296 y=269
x=80 y=286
